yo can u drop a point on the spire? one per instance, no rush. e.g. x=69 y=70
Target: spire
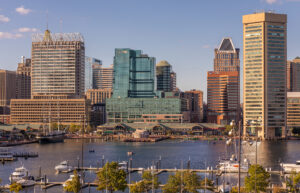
x=226 y=45
x=47 y=36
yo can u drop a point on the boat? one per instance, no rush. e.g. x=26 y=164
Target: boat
x=288 y=167
x=130 y=153
x=71 y=178
x=6 y=155
x=64 y=167
x=51 y=137
x=19 y=174
x=123 y=165
x=232 y=165
x=91 y=151
x=26 y=181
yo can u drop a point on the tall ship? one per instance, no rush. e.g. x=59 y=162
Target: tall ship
x=51 y=137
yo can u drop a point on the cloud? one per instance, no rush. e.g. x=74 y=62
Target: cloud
x=271 y=1
x=7 y=35
x=21 y=10
x=206 y=46
x=4 y=19
x=27 y=29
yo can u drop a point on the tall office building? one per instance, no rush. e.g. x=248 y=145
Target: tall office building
x=223 y=87
x=293 y=75
x=57 y=82
x=88 y=73
x=195 y=105
x=134 y=74
x=23 y=89
x=173 y=81
x=163 y=76
x=265 y=36
x=7 y=89
x=57 y=64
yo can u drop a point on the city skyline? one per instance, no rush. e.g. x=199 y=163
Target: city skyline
x=188 y=46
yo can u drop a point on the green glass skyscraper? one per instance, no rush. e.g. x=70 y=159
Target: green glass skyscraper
x=134 y=74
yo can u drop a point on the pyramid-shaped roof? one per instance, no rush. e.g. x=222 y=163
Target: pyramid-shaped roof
x=226 y=45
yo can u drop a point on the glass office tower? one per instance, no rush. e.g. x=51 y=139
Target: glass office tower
x=163 y=76
x=134 y=74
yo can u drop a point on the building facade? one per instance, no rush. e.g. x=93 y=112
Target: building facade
x=44 y=111
x=293 y=75
x=102 y=76
x=163 y=76
x=223 y=87
x=265 y=36
x=97 y=96
x=135 y=109
x=173 y=81
x=7 y=89
x=195 y=105
x=23 y=88
x=58 y=62
x=293 y=110
x=134 y=74
x=223 y=97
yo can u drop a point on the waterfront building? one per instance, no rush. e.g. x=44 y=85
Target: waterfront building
x=293 y=75
x=293 y=110
x=195 y=105
x=134 y=74
x=121 y=110
x=23 y=88
x=57 y=64
x=223 y=85
x=102 y=76
x=7 y=89
x=44 y=111
x=222 y=97
x=163 y=76
x=97 y=96
x=173 y=81
x=264 y=92
x=88 y=73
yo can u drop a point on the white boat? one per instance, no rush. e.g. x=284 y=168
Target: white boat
x=25 y=182
x=19 y=174
x=233 y=166
x=6 y=155
x=64 y=167
x=224 y=188
x=287 y=167
x=71 y=178
x=123 y=165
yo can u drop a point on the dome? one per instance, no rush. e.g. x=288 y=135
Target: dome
x=163 y=63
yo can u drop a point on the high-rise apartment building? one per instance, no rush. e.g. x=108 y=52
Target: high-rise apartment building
x=223 y=87
x=7 y=89
x=293 y=110
x=163 y=76
x=195 y=105
x=23 y=88
x=265 y=36
x=134 y=74
x=88 y=72
x=58 y=62
x=173 y=81
x=98 y=96
x=293 y=75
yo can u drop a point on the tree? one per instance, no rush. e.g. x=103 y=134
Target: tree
x=235 y=190
x=207 y=184
x=293 y=182
x=185 y=181
x=112 y=178
x=74 y=128
x=54 y=126
x=227 y=129
x=258 y=177
x=15 y=187
x=148 y=181
x=74 y=184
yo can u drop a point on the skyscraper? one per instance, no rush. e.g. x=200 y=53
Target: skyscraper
x=223 y=87
x=7 y=89
x=293 y=75
x=195 y=105
x=134 y=74
x=264 y=90
x=163 y=76
x=23 y=89
x=63 y=72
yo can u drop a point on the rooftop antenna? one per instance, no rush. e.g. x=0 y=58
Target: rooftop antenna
x=60 y=24
x=47 y=19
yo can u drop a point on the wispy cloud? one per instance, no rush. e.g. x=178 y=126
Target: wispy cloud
x=7 y=35
x=4 y=19
x=23 y=11
x=206 y=46
x=27 y=29
x=271 y=1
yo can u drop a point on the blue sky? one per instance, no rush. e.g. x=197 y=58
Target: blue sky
x=183 y=32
